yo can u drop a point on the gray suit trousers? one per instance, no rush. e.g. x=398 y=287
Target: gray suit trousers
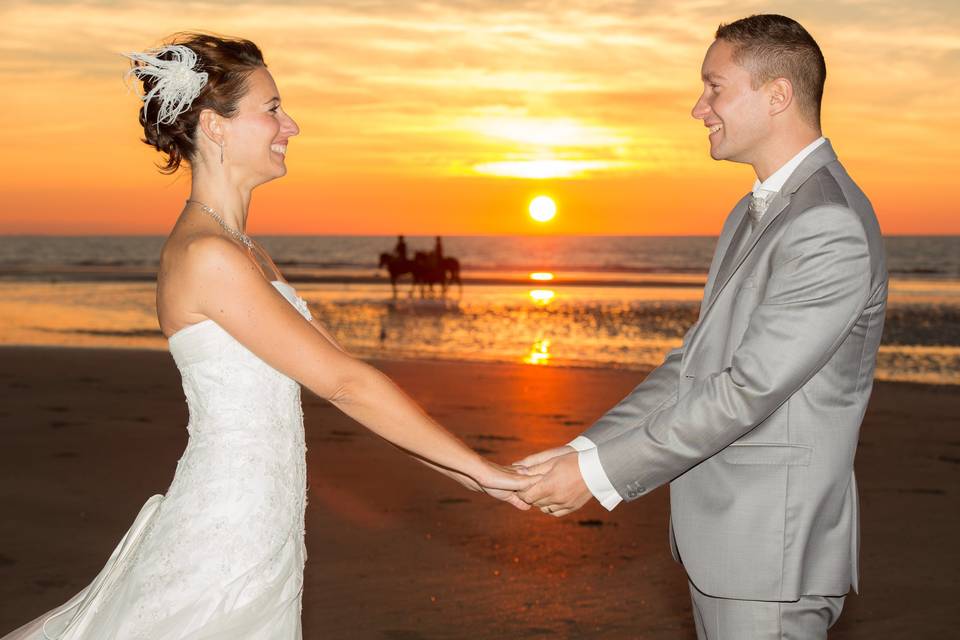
x=726 y=619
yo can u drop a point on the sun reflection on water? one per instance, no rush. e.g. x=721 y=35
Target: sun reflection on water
x=630 y=327
x=542 y=297
x=539 y=352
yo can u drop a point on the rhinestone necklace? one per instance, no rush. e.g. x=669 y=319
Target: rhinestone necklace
x=241 y=237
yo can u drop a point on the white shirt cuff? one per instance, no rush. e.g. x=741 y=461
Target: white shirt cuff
x=582 y=443
x=596 y=478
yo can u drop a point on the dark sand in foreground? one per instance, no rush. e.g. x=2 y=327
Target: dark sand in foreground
x=398 y=552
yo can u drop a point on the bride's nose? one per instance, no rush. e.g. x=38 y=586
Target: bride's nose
x=290 y=127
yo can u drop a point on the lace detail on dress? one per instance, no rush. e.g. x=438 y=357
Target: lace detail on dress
x=221 y=554
x=234 y=513
x=302 y=307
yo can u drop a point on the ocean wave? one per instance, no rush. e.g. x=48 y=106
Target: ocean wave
x=919 y=257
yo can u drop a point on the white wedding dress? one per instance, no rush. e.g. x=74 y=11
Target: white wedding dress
x=220 y=555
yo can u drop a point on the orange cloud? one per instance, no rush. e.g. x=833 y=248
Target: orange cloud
x=434 y=117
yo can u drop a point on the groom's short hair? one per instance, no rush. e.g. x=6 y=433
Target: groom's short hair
x=771 y=46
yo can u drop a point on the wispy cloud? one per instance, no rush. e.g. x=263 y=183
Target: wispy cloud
x=448 y=88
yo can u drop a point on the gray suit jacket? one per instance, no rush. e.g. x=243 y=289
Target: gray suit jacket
x=754 y=420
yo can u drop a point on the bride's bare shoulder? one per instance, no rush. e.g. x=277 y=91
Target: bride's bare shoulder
x=192 y=254
x=190 y=264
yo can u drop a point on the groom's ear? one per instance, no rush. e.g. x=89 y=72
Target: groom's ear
x=780 y=94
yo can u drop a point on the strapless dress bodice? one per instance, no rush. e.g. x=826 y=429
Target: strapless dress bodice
x=206 y=338
x=227 y=387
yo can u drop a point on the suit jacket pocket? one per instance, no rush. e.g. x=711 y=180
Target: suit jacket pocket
x=767 y=453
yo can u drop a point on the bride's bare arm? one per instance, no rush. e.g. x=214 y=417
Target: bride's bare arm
x=229 y=288
x=326 y=334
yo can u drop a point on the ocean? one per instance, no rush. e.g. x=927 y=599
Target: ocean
x=610 y=301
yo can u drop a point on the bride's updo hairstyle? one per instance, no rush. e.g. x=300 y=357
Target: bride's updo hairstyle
x=228 y=62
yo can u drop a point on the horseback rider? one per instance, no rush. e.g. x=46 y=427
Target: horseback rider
x=438 y=253
x=427 y=267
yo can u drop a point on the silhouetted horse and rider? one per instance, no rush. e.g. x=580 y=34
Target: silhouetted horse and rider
x=426 y=269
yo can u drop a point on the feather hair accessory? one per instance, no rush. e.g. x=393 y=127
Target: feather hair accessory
x=177 y=82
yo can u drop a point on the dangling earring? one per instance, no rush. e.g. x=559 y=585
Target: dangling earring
x=221 y=152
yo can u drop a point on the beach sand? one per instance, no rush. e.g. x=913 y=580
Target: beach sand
x=399 y=552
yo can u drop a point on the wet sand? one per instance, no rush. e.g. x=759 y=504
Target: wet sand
x=398 y=552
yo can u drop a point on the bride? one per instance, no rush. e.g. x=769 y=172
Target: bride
x=221 y=554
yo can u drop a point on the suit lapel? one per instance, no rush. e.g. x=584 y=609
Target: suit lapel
x=732 y=259
x=733 y=252
x=723 y=245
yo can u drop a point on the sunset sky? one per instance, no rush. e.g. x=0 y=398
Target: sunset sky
x=449 y=117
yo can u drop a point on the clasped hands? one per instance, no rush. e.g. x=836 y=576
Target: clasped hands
x=549 y=480
x=560 y=489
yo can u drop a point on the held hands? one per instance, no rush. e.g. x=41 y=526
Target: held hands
x=497 y=481
x=504 y=483
x=561 y=489
x=549 y=480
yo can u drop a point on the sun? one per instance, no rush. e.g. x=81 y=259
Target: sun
x=543 y=208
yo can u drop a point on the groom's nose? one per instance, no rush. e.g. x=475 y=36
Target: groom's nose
x=701 y=109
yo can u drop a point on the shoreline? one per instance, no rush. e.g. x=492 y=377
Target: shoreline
x=555 y=363
x=401 y=552
x=112 y=275
x=374 y=276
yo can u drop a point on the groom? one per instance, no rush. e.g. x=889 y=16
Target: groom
x=754 y=419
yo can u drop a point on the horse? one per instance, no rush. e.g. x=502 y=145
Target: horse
x=426 y=273
x=396 y=267
x=451 y=272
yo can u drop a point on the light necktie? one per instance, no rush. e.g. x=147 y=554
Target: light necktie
x=757 y=207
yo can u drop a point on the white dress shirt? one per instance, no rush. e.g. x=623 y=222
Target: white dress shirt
x=775 y=181
x=588 y=457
